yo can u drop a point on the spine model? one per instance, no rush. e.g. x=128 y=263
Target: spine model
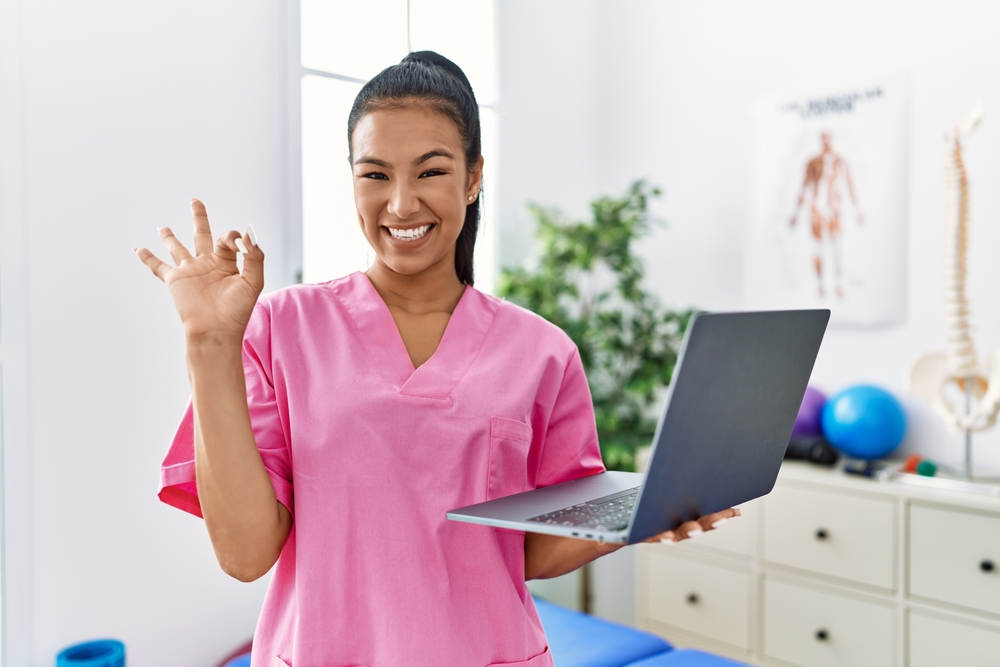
x=961 y=389
x=961 y=350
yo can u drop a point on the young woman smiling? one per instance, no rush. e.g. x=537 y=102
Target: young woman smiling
x=331 y=426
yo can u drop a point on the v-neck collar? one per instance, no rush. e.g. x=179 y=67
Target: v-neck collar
x=435 y=378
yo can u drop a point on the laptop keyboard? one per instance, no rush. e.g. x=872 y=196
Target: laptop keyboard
x=610 y=513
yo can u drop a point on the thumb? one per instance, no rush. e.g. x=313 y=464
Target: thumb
x=253 y=261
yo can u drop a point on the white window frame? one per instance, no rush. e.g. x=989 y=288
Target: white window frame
x=292 y=258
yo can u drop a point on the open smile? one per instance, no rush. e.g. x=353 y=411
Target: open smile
x=409 y=234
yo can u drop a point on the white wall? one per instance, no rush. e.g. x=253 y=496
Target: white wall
x=596 y=95
x=549 y=113
x=661 y=90
x=129 y=109
x=682 y=75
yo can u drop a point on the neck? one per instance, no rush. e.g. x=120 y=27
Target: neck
x=436 y=288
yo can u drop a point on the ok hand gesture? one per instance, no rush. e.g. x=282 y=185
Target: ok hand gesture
x=212 y=297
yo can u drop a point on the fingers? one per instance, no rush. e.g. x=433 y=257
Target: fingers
x=253 y=260
x=690 y=529
x=233 y=242
x=712 y=521
x=226 y=246
x=202 y=230
x=157 y=266
x=666 y=537
x=177 y=250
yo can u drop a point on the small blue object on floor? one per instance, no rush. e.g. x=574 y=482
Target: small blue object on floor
x=240 y=661
x=685 y=657
x=99 y=653
x=579 y=640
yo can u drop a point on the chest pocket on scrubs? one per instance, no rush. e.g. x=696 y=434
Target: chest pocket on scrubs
x=510 y=441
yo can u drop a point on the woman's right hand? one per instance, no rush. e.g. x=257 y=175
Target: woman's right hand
x=212 y=297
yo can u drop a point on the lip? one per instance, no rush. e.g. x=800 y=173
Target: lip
x=408 y=245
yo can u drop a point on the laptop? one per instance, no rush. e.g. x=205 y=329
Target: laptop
x=736 y=390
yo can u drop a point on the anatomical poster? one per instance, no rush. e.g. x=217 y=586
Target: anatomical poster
x=830 y=204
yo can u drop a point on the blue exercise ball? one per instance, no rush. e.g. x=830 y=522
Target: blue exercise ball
x=864 y=422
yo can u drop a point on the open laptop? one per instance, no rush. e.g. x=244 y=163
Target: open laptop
x=736 y=391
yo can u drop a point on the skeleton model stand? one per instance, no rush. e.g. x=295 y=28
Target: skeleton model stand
x=961 y=389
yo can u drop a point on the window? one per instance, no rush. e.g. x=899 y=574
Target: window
x=343 y=45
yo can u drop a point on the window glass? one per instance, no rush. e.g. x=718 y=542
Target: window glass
x=332 y=242
x=356 y=39
x=462 y=31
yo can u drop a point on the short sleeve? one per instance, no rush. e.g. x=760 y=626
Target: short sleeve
x=570 y=449
x=177 y=472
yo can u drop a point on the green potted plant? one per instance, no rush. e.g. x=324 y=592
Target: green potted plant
x=587 y=280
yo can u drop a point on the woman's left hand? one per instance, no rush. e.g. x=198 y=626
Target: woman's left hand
x=690 y=529
x=552 y=555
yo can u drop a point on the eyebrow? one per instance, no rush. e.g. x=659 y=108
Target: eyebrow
x=438 y=152
x=373 y=160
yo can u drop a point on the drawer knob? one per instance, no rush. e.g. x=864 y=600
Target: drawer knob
x=692 y=598
x=987 y=566
x=821 y=534
x=822 y=635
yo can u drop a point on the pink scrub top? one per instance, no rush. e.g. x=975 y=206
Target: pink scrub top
x=368 y=454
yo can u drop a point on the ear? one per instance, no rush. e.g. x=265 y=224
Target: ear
x=475 y=179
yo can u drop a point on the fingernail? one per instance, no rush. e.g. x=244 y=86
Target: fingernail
x=719 y=523
x=666 y=540
x=135 y=250
x=694 y=533
x=738 y=512
x=241 y=246
x=251 y=235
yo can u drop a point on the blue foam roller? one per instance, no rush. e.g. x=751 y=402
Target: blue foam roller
x=97 y=653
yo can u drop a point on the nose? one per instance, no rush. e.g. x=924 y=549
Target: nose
x=403 y=201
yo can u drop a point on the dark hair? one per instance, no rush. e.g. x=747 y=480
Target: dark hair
x=429 y=78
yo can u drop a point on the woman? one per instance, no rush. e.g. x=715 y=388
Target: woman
x=367 y=407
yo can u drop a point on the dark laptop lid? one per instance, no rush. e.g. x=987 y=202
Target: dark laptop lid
x=733 y=401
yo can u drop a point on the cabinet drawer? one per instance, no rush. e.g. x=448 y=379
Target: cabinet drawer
x=851 y=537
x=735 y=537
x=710 y=601
x=815 y=629
x=935 y=642
x=955 y=557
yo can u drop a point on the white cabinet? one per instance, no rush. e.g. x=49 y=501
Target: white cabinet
x=935 y=641
x=705 y=600
x=805 y=626
x=955 y=557
x=832 y=569
x=843 y=536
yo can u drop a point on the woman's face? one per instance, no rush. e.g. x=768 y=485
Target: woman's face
x=411 y=186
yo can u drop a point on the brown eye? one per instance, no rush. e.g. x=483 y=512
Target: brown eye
x=431 y=172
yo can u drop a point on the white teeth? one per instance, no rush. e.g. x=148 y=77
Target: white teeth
x=409 y=234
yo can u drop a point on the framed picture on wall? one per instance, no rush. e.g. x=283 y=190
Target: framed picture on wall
x=830 y=203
